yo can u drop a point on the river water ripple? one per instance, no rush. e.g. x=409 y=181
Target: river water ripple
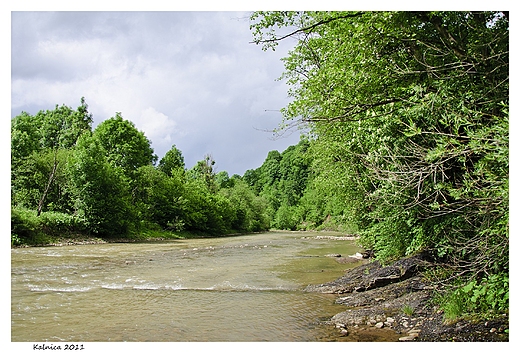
x=245 y=288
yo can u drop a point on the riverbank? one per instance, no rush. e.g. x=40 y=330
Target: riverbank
x=150 y=236
x=82 y=239
x=397 y=297
x=85 y=239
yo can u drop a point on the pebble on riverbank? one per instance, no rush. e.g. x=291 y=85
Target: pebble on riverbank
x=376 y=297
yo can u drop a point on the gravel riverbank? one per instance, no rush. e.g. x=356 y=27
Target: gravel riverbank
x=396 y=297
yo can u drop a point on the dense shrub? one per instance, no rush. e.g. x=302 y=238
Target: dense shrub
x=28 y=228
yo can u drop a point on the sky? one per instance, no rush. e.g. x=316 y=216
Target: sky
x=192 y=79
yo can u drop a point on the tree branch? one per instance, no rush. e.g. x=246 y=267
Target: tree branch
x=308 y=28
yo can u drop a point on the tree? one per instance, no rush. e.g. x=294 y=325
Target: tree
x=294 y=172
x=125 y=146
x=41 y=181
x=206 y=210
x=61 y=127
x=24 y=138
x=249 y=209
x=252 y=179
x=205 y=170
x=100 y=193
x=39 y=146
x=409 y=115
x=172 y=160
x=160 y=198
x=50 y=129
x=270 y=170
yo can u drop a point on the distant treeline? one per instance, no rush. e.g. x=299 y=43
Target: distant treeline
x=67 y=178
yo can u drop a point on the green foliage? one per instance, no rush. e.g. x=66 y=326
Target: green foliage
x=484 y=298
x=252 y=178
x=100 y=192
x=15 y=240
x=58 y=223
x=62 y=126
x=40 y=150
x=159 y=198
x=285 y=218
x=33 y=176
x=249 y=210
x=282 y=181
x=208 y=212
x=408 y=310
x=223 y=180
x=66 y=178
x=24 y=223
x=124 y=146
x=24 y=137
x=29 y=228
x=171 y=161
x=205 y=170
x=408 y=114
x=51 y=129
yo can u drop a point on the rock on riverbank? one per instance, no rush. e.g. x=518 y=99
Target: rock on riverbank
x=397 y=297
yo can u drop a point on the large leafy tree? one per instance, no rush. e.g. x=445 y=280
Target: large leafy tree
x=25 y=137
x=249 y=210
x=409 y=115
x=294 y=173
x=40 y=146
x=49 y=129
x=171 y=161
x=61 y=127
x=100 y=192
x=160 y=198
x=124 y=145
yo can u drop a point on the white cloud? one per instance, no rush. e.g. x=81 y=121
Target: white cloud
x=186 y=78
x=158 y=127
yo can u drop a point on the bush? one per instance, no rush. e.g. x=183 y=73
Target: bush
x=490 y=295
x=24 y=223
x=28 y=228
x=57 y=223
x=285 y=218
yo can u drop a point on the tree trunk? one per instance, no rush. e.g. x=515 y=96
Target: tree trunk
x=49 y=183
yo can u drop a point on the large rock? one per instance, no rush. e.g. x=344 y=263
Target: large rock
x=384 y=296
x=371 y=275
x=396 y=298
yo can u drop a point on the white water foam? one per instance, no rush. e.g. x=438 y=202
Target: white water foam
x=59 y=289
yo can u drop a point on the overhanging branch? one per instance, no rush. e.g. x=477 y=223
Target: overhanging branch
x=308 y=28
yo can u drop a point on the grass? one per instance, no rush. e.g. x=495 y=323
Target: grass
x=408 y=310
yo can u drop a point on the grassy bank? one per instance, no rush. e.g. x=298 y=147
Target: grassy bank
x=55 y=228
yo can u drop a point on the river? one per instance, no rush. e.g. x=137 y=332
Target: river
x=230 y=289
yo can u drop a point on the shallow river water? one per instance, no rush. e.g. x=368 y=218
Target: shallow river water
x=231 y=289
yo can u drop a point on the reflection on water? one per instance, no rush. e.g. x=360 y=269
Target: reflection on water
x=231 y=289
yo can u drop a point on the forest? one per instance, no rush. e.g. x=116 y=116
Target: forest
x=405 y=142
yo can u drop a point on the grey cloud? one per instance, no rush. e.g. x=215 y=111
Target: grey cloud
x=186 y=78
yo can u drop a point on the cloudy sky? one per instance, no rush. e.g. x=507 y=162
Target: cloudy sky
x=190 y=79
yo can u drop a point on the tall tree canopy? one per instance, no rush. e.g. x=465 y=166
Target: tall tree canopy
x=58 y=128
x=40 y=148
x=100 y=193
x=409 y=115
x=125 y=146
x=172 y=160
